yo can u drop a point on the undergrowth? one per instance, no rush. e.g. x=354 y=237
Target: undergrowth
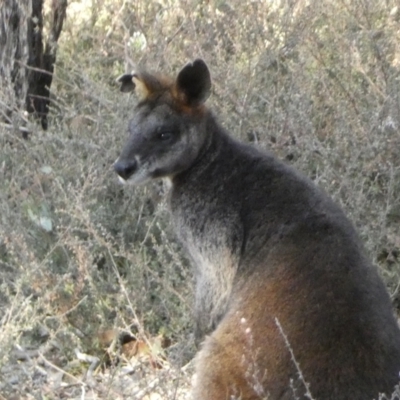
x=318 y=84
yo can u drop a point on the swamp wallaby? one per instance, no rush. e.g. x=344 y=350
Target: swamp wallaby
x=292 y=304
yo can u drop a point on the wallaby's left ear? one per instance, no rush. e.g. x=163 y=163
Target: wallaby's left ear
x=143 y=83
x=127 y=84
x=193 y=84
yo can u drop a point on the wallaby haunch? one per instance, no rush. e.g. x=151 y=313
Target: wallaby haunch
x=292 y=304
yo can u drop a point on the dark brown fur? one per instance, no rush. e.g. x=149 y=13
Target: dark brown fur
x=293 y=305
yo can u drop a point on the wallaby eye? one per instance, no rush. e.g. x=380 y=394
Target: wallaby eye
x=165 y=135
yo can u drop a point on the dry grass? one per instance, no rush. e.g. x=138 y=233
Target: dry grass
x=317 y=84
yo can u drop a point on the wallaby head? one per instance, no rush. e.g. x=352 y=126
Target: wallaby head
x=167 y=131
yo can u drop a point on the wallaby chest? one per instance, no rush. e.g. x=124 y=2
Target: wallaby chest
x=207 y=225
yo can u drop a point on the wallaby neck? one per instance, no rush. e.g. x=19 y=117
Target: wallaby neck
x=216 y=138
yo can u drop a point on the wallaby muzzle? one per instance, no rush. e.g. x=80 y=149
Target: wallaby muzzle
x=125 y=168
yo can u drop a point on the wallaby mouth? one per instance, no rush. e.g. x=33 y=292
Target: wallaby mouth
x=125 y=168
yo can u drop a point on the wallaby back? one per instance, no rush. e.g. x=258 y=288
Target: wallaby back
x=292 y=304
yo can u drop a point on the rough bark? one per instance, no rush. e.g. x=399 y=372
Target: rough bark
x=13 y=56
x=42 y=56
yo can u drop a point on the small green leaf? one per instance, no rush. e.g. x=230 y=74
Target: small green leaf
x=46 y=224
x=46 y=169
x=32 y=216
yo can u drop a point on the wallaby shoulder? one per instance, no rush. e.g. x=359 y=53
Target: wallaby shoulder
x=250 y=195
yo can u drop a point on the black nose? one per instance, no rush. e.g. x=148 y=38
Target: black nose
x=125 y=169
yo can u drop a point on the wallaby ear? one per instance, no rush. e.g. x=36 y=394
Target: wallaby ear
x=142 y=83
x=127 y=84
x=193 y=84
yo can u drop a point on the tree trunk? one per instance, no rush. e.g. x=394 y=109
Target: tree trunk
x=13 y=57
x=26 y=59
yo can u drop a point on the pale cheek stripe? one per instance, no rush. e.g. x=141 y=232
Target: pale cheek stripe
x=122 y=180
